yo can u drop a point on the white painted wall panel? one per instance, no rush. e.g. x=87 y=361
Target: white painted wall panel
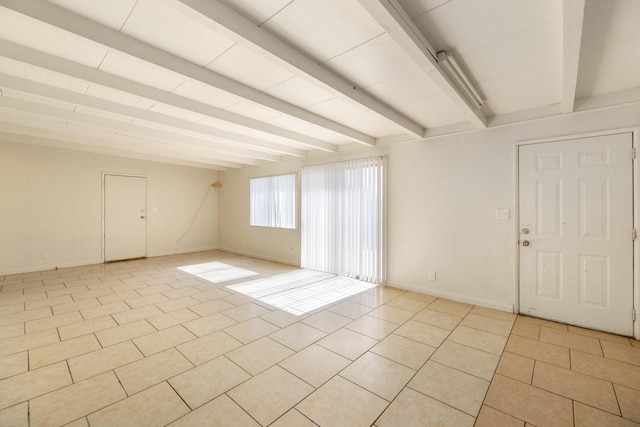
x=51 y=206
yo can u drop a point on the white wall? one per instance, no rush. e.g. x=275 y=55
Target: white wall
x=235 y=233
x=51 y=206
x=442 y=197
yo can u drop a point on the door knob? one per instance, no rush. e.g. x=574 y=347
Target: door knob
x=525 y=243
x=142 y=217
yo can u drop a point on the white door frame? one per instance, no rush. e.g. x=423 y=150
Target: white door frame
x=635 y=133
x=102 y=235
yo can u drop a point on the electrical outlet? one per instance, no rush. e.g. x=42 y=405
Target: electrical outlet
x=432 y=275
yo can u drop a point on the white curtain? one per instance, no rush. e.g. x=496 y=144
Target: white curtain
x=273 y=201
x=342 y=218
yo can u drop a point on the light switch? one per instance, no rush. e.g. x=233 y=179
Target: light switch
x=154 y=210
x=502 y=214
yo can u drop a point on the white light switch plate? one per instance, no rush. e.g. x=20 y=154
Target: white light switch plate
x=502 y=214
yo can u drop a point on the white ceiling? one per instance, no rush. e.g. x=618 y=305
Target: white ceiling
x=228 y=83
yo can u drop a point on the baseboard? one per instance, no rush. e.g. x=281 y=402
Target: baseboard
x=258 y=256
x=183 y=251
x=457 y=297
x=47 y=267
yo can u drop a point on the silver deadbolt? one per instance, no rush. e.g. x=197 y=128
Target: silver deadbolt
x=525 y=243
x=525 y=231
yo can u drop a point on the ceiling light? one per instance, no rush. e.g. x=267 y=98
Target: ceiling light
x=461 y=79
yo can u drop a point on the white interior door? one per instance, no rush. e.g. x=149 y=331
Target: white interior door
x=124 y=217
x=576 y=222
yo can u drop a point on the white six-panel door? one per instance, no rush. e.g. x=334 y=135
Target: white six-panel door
x=124 y=217
x=576 y=222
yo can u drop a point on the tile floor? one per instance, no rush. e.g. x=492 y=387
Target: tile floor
x=145 y=343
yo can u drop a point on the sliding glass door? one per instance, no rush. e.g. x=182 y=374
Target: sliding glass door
x=342 y=218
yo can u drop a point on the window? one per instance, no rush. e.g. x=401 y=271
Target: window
x=273 y=201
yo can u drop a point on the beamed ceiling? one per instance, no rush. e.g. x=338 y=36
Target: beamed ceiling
x=228 y=83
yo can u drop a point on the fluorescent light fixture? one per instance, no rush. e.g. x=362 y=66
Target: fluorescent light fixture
x=461 y=79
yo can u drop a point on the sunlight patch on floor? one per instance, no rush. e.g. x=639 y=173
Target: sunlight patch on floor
x=217 y=272
x=301 y=291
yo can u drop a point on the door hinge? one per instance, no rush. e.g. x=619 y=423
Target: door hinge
x=633 y=314
x=634 y=234
x=633 y=153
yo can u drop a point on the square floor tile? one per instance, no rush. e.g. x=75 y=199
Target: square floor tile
x=208 y=347
x=467 y=359
x=270 y=394
x=327 y=321
x=488 y=324
x=549 y=353
x=606 y=369
x=586 y=416
x=379 y=375
x=622 y=353
x=629 y=400
x=162 y=340
x=421 y=332
x=88 y=396
x=17 y=415
x=516 y=367
x=63 y=350
x=123 y=333
x=34 y=383
x=14 y=364
x=569 y=340
x=347 y=343
x=207 y=381
x=412 y=408
x=220 y=412
x=161 y=406
x=297 y=336
x=251 y=330
x=576 y=386
x=173 y=318
x=392 y=314
x=438 y=318
x=315 y=364
x=259 y=355
x=455 y=388
x=245 y=312
x=341 y=403
x=350 y=309
x=372 y=326
x=450 y=307
x=209 y=324
x=403 y=350
x=103 y=360
x=531 y=404
x=293 y=418
x=489 y=417
x=480 y=340
x=152 y=370
x=282 y=318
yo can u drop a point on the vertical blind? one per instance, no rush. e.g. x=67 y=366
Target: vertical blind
x=273 y=201
x=342 y=218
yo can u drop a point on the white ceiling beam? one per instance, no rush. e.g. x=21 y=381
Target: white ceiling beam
x=26 y=138
x=76 y=24
x=572 y=21
x=25 y=125
x=228 y=22
x=399 y=26
x=224 y=152
x=91 y=75
x=74 y=98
